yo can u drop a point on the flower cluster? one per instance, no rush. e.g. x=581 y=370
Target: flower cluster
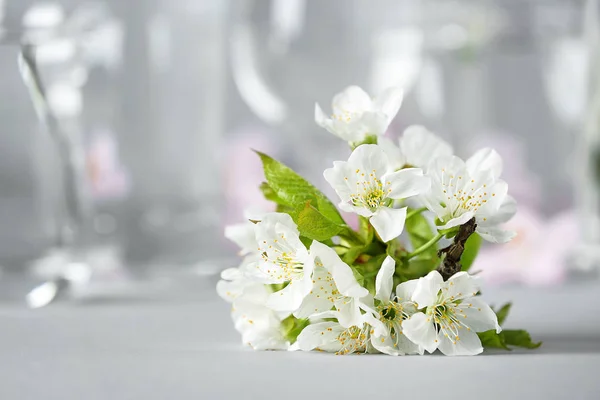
x=308 y=281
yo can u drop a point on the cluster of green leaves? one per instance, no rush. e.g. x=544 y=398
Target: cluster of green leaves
x=508 y=337
x=318 y=219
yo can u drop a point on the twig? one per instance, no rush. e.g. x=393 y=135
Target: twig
x=452 y=254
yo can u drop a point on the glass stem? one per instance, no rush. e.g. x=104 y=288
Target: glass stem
x=70 y=216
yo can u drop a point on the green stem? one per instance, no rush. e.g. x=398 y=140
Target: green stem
x=426 y=246
x=415 y=212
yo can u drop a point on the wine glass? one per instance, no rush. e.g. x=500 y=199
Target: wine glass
x=53 y=66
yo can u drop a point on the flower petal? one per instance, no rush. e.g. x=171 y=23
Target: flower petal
x=495 y=235
x=321 y=119
x=318 y=335
x=393 y=152
x=467 y=344
x=405 y=290
x=290 y=297
x=460 y=286
x=319 y=299
x=479 y=316
x=341 y=179
x=348 y=312
x=494 y=203
x=395 y=343
x=379 y=328
x=373 y=123
x=427 y=289
x=421 y=147
x=368 y=158
x=384 y=280
x=362 y=211
x=386 y=344
x=258 y=325
x=503 y=214
x=406 y=183
x=231 y=274
x=486 y=159
x=420 y=330
x=389 y=102
x=281 y=218
x=460 y=220
x=353 y=100
x=243 y=235
x=389 y=222
x=230 y=290
x=340 y=271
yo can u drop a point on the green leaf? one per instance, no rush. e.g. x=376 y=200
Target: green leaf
x=365 y=230
x=269 y=193
x=358 y=276
x=472 y=247
x=292 y=326
x=314 y=225
x=508 y=337
x=369 y=271
x=420 y=232
x=352 y=254
x=502 y=313
x=291 y=189
x=306 y=241
x=415 y=268
x=491 y=340
x=519 y=338
x=328 y=209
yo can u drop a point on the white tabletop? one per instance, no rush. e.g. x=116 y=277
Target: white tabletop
x=187 y=348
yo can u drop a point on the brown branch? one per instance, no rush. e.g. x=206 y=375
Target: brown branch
x=452 y=254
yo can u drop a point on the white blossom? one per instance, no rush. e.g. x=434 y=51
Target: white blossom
x=283 y=259
x=259 y=325
x=334 y=286
x=331 y=336
x=392 y=309
x=243 y=234
x=452 y=315
x=368 y=185
x=460 y=191
x=418 y=147
x=356 y=116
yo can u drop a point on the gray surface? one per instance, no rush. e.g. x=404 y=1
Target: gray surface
x=187 y=349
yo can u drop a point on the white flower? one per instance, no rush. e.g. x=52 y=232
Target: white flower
x=243 y=234
x=259 y=326
x=392 y=309
x=332 y=337
x=418 y=148
x=460 y=191
x=356 y=116
x=452 y=315
x=283 y=259
x=334 y=286
x=368 y=184
x=233 y=282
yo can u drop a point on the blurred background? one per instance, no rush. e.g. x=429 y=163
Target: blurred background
x=127 y=126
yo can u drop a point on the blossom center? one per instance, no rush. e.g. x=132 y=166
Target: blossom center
x=281 y=254
x=345 y=116
x=446 y=318
x=370 y=191
x=463 y=194
x=353 y=340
